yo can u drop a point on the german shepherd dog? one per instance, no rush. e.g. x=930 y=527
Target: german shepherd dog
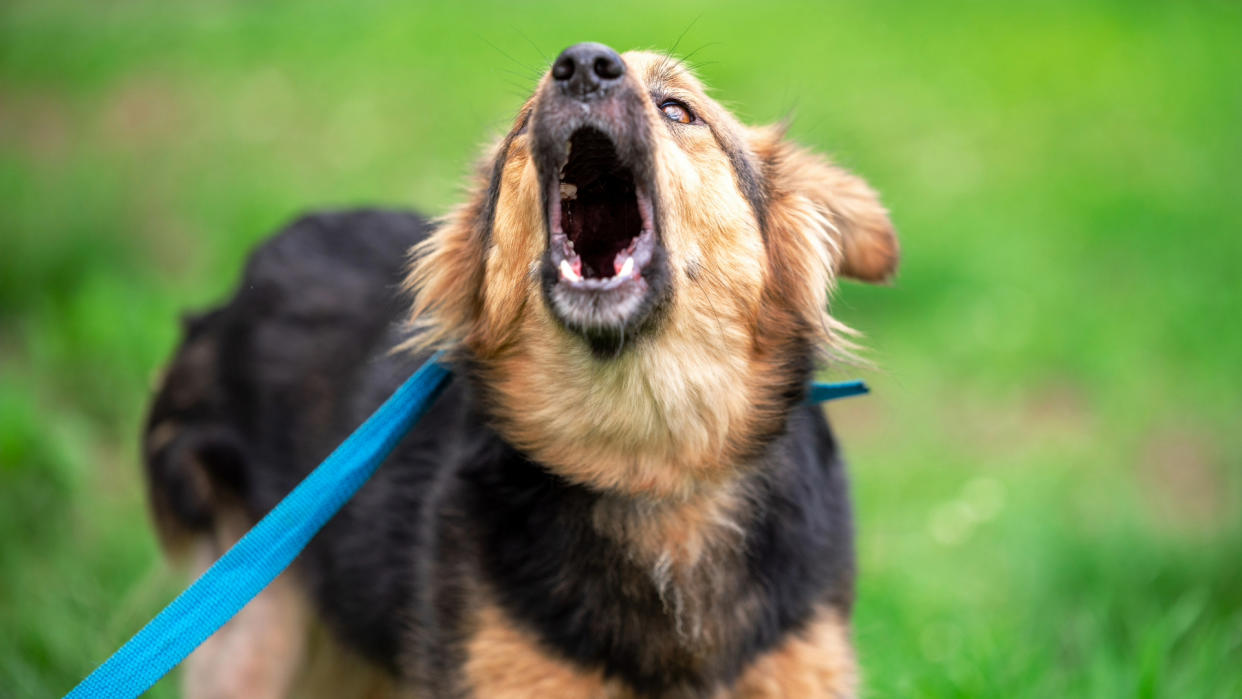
x=622 y=494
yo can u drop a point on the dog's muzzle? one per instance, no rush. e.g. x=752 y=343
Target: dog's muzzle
x=604 y=271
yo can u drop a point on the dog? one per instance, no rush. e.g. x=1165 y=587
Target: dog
x=622 y=494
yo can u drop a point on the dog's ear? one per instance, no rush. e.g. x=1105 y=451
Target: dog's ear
x=447 y=269
x=446 y=278
x=805 y=189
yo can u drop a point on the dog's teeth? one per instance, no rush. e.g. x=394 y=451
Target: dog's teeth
x=569 y=191
x=569 y=147
x=626 y=267
x=567 y=272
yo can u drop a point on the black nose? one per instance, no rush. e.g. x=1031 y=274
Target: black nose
x=585 y=69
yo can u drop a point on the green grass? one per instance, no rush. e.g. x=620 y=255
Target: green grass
x=1049 y=473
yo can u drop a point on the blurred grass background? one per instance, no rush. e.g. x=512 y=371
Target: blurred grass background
x=1048 y=475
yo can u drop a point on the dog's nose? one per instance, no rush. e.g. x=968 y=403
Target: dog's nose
x=585 y=69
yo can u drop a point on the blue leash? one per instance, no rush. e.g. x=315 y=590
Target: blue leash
x=267 y=549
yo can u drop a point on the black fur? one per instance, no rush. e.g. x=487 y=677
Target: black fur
x=301 y=355
x=496 y=169
x=584 y=595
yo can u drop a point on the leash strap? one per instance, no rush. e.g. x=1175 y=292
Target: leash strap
x=821 y=392
x=267 y=549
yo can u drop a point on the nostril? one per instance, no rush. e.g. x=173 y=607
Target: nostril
x=587 y=71
x=609 y=67
x=563 y=69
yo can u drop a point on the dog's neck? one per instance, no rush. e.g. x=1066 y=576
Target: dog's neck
x=675 y=417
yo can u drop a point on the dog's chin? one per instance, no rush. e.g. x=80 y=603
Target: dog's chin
x=610 y=317
x=604 y=273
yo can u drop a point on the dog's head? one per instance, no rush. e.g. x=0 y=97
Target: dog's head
x=641 y=281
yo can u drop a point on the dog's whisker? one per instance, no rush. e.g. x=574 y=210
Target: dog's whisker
x=546 y=61
x=528 y=69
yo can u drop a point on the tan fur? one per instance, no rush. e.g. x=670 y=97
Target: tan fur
x=830 y=203
x=274 y=648
x=505 y=662
x=818 y=662
x=675 y=415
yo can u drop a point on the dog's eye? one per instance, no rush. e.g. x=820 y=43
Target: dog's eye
x=677 y=111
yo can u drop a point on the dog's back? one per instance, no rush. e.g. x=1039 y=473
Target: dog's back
x=267 y=385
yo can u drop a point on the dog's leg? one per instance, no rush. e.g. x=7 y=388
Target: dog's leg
x=504 y=662
x=275 y=647
x=818 y=662
x=333 y=672
x=258 y=653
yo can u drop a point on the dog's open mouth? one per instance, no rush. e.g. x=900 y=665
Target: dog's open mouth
x=600 y=226
x=605 y=273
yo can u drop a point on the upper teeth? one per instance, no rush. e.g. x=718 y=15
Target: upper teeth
x=569 y=191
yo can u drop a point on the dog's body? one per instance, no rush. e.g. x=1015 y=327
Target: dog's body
x=620 y=496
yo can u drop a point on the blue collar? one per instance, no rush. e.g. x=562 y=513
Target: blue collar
x=820 y=392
